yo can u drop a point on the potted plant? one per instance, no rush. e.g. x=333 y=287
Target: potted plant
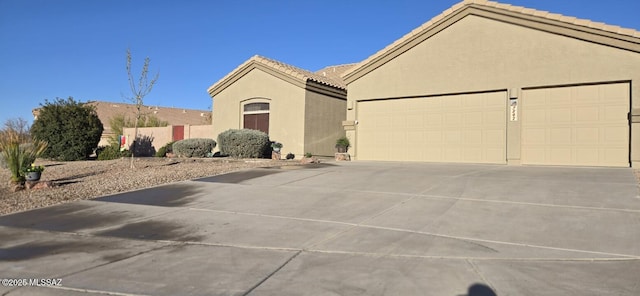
x=276 y=146
x=342 y=145
x=33 y=173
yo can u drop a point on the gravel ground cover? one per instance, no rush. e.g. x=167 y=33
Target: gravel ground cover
x=79 y=180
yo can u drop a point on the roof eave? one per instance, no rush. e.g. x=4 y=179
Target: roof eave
x=626 y=39
x=260 y=63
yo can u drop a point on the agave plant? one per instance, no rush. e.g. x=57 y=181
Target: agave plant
x=17 y=156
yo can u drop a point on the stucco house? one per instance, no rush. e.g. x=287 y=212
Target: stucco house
x=485 y=82
x=303 y=110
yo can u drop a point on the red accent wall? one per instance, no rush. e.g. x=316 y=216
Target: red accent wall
x=178 y=132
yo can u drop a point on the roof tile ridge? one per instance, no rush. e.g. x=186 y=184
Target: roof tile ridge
x=560 y=17
x=342 y=65
x=298 y=72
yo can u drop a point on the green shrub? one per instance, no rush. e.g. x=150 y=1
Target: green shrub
x=111 y=152
x=72 y=129
x=244 y=143
x=167 y=148
x=308 y=155
x=197 y=147
x=343 y=144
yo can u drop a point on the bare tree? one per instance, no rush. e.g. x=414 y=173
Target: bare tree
x=17 y=126
x=139 y=91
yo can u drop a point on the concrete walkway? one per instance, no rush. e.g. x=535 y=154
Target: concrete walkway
x=354 y=228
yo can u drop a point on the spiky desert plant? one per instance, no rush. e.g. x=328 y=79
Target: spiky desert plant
x=18 y=156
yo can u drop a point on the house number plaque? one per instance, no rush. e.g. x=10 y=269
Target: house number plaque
x=513 y=110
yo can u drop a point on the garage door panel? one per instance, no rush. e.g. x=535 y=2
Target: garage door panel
x=616 y=135
x=432 y=154
x=615 y=155
x=587 y=135
x=534 y=155
x=560 y=115
x=579 y=125
x=472 y=118
x=533 y=136
x=612 y=113
x=452 y=120
x=562 y=96
x=433 y=120
x=453 y=155
x=560 y=155
x=434 y=137
x=495 y=118
x=589 y=94
x=457 y=128
x=473 y=137
x=588 y=115
x=615 y=93
x=474 y=102
x=452 y=138
x=587 y=155
x=495 y=154
x=452 y=103
x=494 y=138
x=562 y=135
x=472 y=155
x=414 y=120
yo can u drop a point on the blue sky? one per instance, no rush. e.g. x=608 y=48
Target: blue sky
x=62 y=48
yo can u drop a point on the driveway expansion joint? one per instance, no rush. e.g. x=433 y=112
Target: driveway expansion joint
x=273 y=273
x=485 y=280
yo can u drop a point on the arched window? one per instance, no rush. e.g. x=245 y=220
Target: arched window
x=256 y=116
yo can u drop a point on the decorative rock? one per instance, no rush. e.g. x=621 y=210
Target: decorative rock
x=343 y=157
x=39 y=185
x=275 y=155
x=312 y=159
x=15 y=187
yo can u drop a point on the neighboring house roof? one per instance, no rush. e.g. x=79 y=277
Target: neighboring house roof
x=551 y=22
x=174 y=116
x=335 y=72
x=287 y=72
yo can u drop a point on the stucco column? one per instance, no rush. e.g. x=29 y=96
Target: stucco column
x=514 y=126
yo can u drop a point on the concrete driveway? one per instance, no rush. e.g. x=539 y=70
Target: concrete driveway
x=358 y=228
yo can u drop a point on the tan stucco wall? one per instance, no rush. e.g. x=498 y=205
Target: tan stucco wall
x=200 y=131
x=478 y=54
x=323 y=123
x=286 y=118
x=160 y=135
x=163 y=135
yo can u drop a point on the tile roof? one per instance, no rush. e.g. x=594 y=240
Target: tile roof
x=296 y=73
x=335 y=72
x=496 y=5
x=175 y=116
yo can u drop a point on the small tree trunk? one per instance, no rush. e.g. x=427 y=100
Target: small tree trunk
x=135 y=133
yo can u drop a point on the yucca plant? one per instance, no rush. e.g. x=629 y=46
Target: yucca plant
x=17 y=156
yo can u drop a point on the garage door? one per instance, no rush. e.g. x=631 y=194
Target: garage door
x=467 y=128
x=579 y=125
